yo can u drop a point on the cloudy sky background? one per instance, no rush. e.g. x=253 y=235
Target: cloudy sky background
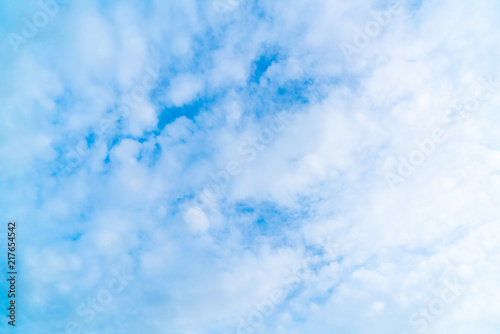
x=312 y=213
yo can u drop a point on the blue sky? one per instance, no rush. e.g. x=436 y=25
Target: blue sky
x=251 y=166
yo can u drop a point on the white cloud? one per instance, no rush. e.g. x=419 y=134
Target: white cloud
x=314 y=188
x=184 y=88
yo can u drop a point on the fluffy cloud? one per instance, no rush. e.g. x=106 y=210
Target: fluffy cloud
x=227 y=162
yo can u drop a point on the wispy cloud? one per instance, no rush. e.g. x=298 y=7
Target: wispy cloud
x=236 y=156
